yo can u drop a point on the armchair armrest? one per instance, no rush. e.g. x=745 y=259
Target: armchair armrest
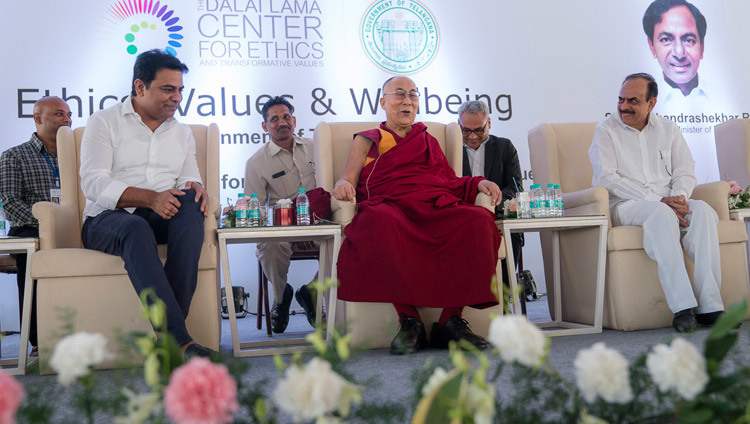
x=342 y=212
x=590 y=201
x=58 y=225
x=214 y=207
x=716 y=194
x=485 y=201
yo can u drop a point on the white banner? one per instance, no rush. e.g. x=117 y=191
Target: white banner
x=533 y=61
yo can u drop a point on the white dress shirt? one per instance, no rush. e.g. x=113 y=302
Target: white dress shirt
x=119 y=151
x=641 y=165
x=476 y=158
x=672 y=100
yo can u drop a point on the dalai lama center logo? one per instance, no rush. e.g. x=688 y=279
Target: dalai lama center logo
x=400 y=36
x=141 y=25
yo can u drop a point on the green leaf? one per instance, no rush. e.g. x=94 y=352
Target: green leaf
x=728 y=320
x=697 y=416
x=435 y=407
x=717 y=349
x=717 y=384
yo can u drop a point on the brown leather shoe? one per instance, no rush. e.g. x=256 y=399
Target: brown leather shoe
x=456 y=328
x=411 y=336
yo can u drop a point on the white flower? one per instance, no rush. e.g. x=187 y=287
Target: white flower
x=74 y=355
x=518 y=340
x=679 y=366
x=481 y=403
x=140 y=407
x=437 y=378
x=314 y=390
x=603 y=372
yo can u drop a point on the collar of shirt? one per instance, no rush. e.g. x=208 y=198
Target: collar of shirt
x=40 y=146
x=127 y=109
x=275 y=148
x=649 y=124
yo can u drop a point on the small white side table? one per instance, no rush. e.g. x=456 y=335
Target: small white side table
x=330 y=242
x=27 y=245
x=555 y=225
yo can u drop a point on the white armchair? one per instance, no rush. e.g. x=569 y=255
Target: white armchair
x=93 y=285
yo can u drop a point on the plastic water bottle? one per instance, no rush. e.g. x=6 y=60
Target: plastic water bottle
x=551 y=201
x=537 y=201
x=558 y=197
x=241 y=211
x=254 y=211
x=3 y=228
x=303 y=208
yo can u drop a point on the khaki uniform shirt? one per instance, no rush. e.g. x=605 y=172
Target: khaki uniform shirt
x=273 y=171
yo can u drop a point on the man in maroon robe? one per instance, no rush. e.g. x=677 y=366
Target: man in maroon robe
x=417 y=239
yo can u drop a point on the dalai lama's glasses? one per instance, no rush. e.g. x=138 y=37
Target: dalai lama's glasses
x=401 y=95
x=477 y=131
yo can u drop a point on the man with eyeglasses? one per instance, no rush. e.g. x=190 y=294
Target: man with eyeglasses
x=494 y=158
x=277 y=171
x=645 y=164
x=417 y=239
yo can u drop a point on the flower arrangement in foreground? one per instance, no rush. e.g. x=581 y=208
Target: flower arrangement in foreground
x=672 y=382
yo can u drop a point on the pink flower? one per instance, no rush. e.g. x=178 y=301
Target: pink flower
x=11 y=393
x=734 y=188
x=512 y=207
x=201 y=392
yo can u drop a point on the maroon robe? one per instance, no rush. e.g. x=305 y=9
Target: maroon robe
x=417 y=239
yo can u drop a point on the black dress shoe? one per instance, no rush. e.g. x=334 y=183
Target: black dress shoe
x=304 y=298
x=195 y=349
x=280 y=311
x=456 y=328
x=684 y=321
x=708 y=319
x=411 y=336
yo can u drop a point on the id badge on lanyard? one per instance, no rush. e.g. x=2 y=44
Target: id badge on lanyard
x=55 y=193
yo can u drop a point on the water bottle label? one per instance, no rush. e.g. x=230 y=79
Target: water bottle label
x=255 y=214
x=301 y=210
x=241 y=214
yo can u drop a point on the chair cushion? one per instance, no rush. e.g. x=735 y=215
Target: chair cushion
x=628 y=237
x=72 y=262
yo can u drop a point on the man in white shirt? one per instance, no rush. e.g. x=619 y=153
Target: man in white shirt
x=645 y=164
x=277 y=171
x=142 y=186
x=676 y=30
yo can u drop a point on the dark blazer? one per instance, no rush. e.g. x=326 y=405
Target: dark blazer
x=500 y=165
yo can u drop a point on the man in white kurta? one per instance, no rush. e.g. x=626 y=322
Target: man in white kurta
x=645 y=164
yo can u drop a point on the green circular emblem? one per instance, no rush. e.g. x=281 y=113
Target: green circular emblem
x=400 y=36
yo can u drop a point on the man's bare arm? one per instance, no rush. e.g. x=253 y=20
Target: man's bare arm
x=344 y=188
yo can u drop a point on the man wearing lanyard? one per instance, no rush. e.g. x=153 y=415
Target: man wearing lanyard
x=28 y=174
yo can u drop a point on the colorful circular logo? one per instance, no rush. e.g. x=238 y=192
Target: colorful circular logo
x=400 y=36
x=149 y=23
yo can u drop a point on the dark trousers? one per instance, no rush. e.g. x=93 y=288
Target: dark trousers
x=516 y=241
x=134 y=238
x=25 y=231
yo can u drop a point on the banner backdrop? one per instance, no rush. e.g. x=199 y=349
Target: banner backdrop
x=533 y=61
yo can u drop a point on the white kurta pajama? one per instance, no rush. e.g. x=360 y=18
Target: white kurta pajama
x=639 y=168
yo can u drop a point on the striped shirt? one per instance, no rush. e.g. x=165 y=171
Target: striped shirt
x=25 y=178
